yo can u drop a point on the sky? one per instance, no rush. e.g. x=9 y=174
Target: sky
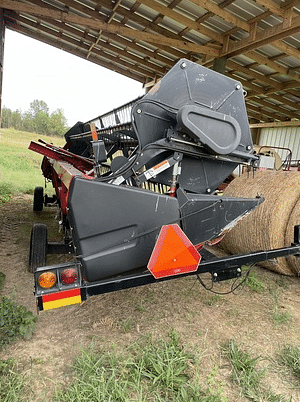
x=84 y=90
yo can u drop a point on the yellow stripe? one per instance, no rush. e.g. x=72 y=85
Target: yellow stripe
x=62 y=302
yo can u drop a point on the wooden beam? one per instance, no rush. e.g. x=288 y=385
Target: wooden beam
x=225 y=15
x=259 y=91
x=2 y=38
x=251 y=26
x=293 y=123
x=166 y=11
x=284 y=10
x=259 y=58
x=266 y=36
x=75 y=34
x=263 y=112
x=128 y=16
x=80 y=53
x=255 y=75
x=127 y=42
x=290 y=3
x=113 y=28
x=275 y=86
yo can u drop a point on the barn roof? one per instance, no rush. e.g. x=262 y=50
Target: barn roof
x=256 y=42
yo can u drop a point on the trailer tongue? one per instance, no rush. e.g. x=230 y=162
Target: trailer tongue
x=136 y=188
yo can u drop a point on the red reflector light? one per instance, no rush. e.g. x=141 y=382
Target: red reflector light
x=69 y=276
x=173 y=253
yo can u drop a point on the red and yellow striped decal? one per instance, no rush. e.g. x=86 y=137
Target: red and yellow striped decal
x=60 y=299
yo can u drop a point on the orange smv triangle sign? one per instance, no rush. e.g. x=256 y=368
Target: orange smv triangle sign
x=173 y=253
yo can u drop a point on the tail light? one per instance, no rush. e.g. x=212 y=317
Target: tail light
x=68 y=276
x=47 y=280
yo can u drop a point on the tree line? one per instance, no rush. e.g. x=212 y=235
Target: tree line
x=36 y=119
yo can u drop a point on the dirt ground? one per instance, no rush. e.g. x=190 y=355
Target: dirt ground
x=204 y=321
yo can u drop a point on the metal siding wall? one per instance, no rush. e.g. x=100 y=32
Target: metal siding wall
x=288 y=137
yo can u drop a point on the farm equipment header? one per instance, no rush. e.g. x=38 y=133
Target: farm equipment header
x=136 y=189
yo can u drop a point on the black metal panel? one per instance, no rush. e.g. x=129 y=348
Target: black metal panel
x=205 y=217
x=188 y=83
x=198 y=175
x=217 y=266
x=115 y=227
x=204 y=175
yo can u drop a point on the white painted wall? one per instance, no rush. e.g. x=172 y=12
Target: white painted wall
x=288 y=137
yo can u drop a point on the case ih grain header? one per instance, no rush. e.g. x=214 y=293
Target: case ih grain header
x=136 y=190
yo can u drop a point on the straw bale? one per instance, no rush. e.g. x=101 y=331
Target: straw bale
x=293 y=262
x=267 y=226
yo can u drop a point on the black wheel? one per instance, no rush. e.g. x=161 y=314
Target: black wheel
x=38 y=246
x=38 y=199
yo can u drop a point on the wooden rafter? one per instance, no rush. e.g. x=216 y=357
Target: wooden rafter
x=111 y=28
x=144 y=45
x=258 y=39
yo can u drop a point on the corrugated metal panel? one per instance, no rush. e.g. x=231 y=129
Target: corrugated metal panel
x=288 y=137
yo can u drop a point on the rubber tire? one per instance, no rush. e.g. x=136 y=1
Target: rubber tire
x=38 y=199
x=38 y=246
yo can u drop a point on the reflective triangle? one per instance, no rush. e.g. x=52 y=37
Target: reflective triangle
x=173 y=253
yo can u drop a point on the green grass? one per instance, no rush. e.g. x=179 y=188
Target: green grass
x=2 y=279
x=13 y=386
x=290 y=358
x=158 y=371
x=280 y=316
x=253 y=283
x=20 y=170
x=248 y=376
x=127 y=324
x=213 y=300
x=15 y=321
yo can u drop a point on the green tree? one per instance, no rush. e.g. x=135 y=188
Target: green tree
x=39 y=112
x=38 y=106
x=28 y=122
x=36 y=119
x=16 y=120
x=58 y=122
x=42 y=122
x=6 y=117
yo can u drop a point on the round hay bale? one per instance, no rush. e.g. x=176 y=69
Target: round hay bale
x=293 y=262
x=266 y=227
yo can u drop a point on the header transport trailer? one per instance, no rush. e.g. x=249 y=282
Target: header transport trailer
x=136 y=189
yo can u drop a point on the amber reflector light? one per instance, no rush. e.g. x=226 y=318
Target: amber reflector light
x=47 y=280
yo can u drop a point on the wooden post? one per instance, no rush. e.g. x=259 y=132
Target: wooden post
x=219 y=65
x=2 y=37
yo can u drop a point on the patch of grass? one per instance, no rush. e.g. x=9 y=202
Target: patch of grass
x=281 y=317
x=2 y=278
x=213 y=300
x=20 y=170
x=140 y=307
x=281 y=281
x=127 y=324
x=254 y=283
x=13 y=386
x=149 y=371
x=249 y=378
x=290 y=357
x=15 y=321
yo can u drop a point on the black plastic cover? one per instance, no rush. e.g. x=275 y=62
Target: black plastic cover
x=205 y=217
x=114 y=228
